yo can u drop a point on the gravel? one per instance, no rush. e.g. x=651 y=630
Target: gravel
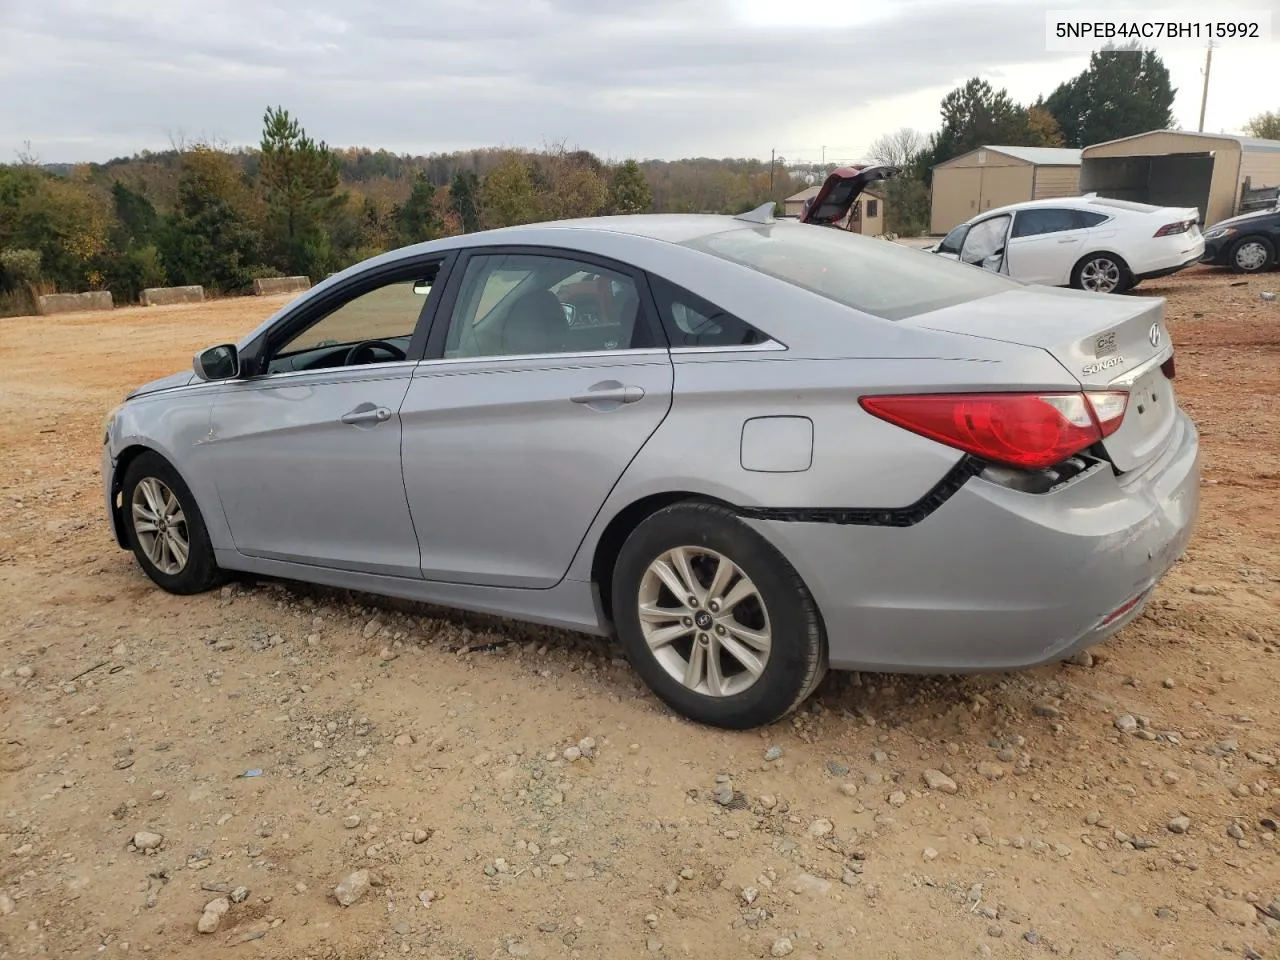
x=939 y=781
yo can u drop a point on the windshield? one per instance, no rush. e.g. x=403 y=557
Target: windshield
x=878 y=277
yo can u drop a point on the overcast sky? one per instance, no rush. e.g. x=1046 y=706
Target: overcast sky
x=93 y=79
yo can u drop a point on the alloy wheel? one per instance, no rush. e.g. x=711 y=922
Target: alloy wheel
x=161 y=526
x=1101 y=275
x=704 y=621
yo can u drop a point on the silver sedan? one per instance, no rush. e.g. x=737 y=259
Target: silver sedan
x=753 y=449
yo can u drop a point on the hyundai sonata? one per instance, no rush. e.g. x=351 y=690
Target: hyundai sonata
x=754 y=449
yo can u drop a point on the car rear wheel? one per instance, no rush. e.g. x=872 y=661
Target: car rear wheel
x=165 y=528
x=1252 y=254
x=715 y=620
x=1101 y=273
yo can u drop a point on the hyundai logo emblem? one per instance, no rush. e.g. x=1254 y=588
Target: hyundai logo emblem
x=1154 y=334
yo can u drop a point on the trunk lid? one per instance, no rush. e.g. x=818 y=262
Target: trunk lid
x=839 y=191
x=1105 y=342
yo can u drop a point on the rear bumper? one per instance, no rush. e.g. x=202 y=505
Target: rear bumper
x=1152 y=274
x=996 y=579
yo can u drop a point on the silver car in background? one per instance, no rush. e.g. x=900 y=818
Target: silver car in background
x=753 y=449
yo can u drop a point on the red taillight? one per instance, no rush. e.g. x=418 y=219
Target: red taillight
x=1167 y=368
x=1173 y=229
x=1028 y=430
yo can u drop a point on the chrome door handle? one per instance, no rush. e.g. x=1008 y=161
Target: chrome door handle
x=368 y=415
x=609 y=391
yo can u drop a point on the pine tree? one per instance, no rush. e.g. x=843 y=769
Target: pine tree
x=300 y=182
x=1124 y=91
x=629 y=190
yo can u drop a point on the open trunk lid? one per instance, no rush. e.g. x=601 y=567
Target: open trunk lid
x=1105 y=342
x=841 y=188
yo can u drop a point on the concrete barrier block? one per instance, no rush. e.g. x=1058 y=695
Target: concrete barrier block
x=270 y=286
x=163 y=296
x=50 y=303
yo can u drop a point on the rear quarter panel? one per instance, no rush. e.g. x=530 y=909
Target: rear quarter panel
x=858 y=461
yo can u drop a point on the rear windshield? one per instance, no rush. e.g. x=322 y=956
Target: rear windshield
x=879 y=277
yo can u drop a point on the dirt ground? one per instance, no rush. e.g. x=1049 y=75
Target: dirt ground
x=429 y=748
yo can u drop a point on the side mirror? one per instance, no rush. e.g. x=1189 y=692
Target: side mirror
x=217 y=363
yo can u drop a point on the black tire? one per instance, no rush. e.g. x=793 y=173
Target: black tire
x=1243 y=245
x=1124 y=283
x=797 y=659
x=200 y=572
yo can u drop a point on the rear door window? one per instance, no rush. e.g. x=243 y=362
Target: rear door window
x=1036 y=222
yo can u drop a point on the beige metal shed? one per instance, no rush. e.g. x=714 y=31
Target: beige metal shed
x=988 y=177
x=1209 y=171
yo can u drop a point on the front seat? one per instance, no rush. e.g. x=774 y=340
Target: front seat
x=536 y=324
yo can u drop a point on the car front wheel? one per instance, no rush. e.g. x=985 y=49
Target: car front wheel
x=715 y=620
x=165 y=528
x=1252 y=254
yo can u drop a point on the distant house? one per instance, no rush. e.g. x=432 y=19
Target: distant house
x=866 y=216
x=987 y=177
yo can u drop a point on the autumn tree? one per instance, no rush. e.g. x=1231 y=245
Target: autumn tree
x=1123 y=91
x=568 y=184
x=628 y=189
x=300 y=182
x=507 y=196
x=1264 y=125
x=209 y=239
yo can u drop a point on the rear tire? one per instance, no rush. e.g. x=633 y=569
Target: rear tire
x=1251 y=255
x=744 y=645
x=1102 y=272
x=165 y=529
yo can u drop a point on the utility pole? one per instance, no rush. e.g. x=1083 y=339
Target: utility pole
x=824 y=156
x=773 y=158
x=1204 y=97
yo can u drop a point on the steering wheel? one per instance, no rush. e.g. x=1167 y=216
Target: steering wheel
x=356 y=354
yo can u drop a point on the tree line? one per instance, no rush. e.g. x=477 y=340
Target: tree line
x=205 y=214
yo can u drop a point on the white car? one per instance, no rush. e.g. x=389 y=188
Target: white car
x=1091 y=243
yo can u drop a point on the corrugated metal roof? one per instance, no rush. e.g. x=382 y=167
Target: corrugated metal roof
x=1040 y=156
x=1247 y=143
x=1045 y=156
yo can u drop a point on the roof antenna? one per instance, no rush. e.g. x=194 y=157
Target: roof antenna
x=761 y=214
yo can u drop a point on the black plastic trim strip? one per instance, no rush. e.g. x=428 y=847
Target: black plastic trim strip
x=908 y=516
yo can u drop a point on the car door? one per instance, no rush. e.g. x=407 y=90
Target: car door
x=526 y=411
x=984 y=244
x=306 y=453
x=1045 y=244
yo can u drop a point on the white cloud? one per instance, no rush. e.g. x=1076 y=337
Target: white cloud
x=653 y=78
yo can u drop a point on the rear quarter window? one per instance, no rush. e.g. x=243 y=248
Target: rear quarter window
x=878 y=277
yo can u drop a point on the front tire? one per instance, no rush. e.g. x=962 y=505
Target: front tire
x=715 y=620
x=1102 y=273
x=165 y=529
x=1251 y=255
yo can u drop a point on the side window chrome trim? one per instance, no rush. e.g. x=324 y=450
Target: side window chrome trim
x=766 y=346
x=388 y=367
x=655 y=352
